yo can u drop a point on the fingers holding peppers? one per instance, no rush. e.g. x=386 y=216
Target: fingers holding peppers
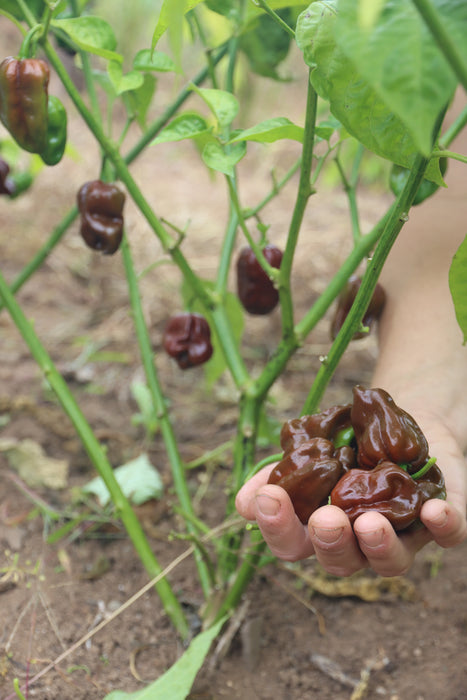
x=382 y=466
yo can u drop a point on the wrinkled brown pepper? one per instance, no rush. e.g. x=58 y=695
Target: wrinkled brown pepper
x=387 y=489
x=308 y=473
x=187 y=338
x=24 y=101
x=384 y=431
x=7 y=186
x=255 y=290
x=326 y=424
x=347 y=298
x=359 y=457
x=100 y=206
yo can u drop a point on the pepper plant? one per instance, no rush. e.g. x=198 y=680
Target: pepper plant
x=383 y=73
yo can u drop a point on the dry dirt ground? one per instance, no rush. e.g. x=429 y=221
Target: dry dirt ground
x=304 y=635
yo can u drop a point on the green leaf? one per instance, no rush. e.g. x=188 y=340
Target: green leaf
x=458 y=286
x=352 y=100
x=227 y=8
x=171 y=13
x=271 y=130
x=138 y=479
x=222 y=104
x=91 y=34
x=223 y=158
x=399 y=59
x=138 y=101
x=175 y=684
x=186 y=126
x=266 y=45
x=123 y=83
x=147 y=60
x=11 y=6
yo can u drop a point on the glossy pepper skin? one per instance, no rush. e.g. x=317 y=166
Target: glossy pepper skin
x=387 y=489
x=347 y=298
x=326 y=424
x=255 y=290
x=187 y=338
x=100 y=206
x=308 y=474
x=384 y=431
x=56 y=132
x=24 y=101
x=432 y=485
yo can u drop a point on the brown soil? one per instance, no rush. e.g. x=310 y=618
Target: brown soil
x=302 y=636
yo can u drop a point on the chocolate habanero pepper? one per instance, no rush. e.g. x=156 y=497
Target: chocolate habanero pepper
x=308 y=474
x=100 y=206
x=24 y=101
x=347 y=298
x=384 y=431
x=327 y=424
x=386 y=489
x=187 y=338
x=255 y=290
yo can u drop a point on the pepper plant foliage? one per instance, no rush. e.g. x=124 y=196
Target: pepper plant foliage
x=386 y=72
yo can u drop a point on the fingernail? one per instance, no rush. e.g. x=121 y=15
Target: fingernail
x=441 y=519
x=267 y=506
x=373 y=538
x=329 y=535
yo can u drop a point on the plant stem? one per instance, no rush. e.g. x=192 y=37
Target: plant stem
x=264 y=5
x=454 y=130
x=97 y=456
x=249 y=213
x=303 y=195
x=450 y=154
x=170 y=442
x=442 y=37
x=395 y=222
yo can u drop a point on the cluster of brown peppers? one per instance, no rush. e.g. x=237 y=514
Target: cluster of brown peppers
x=370 y=455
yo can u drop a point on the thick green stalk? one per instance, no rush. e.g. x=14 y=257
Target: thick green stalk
x=442 y=37
x=170 y=442
x=303 y=195
x=97 y=456
x=396 y=220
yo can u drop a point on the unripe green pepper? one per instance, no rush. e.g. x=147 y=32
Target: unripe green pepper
x=24 y=101
x=56 y=132
x=400 y=175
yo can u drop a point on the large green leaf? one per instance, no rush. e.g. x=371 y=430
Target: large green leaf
x=352 y=99
x=266 y=45
x=91 y=34
x=399 y=59
x=147 y=60
x=176 y=683
x=458 y=286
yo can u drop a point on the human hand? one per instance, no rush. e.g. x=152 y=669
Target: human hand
x=372 y=542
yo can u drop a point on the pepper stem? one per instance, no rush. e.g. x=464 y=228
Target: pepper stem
x=421 y=472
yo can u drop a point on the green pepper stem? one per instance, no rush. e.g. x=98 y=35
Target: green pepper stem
x=176 y=462
x=264 y=5
x=426 y=468
x=450 y=154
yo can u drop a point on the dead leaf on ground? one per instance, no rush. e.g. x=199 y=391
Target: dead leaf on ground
x=33 y=466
